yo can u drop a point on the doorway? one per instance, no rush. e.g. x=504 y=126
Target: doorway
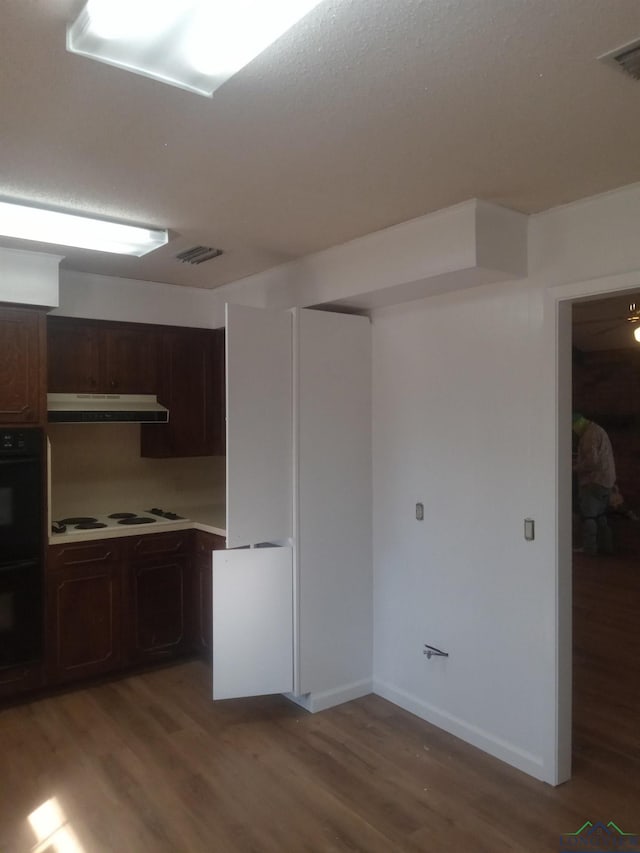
x=598 y=685
x=606 y=589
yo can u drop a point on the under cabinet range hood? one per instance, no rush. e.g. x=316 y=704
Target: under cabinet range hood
x=105 y=409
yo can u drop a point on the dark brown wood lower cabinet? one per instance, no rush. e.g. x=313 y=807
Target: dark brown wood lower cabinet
x=205 y=544
x=158 y=618
x=113 y=603
x=159 y=574
x=84 y=611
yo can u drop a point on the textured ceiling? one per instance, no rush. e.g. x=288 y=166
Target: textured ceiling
x=366 y=114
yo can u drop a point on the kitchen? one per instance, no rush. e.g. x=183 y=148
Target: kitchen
x=90 y=465
x=190 y=487
x=462 y=299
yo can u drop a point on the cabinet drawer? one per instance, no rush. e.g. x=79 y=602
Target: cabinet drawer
x=156 y=544
x=85 y=554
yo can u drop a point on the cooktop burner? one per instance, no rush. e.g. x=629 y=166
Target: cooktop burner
x=82 y=523
x=142 y=519
x=162 y=513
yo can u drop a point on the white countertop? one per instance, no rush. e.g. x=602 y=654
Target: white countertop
x=208 y=518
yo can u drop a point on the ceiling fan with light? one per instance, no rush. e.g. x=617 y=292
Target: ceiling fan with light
x=606 y=324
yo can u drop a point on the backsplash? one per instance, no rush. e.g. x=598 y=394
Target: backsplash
x=97 y=469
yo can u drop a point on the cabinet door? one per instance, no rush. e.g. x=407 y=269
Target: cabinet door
x=21 y=366
x=252 y=622
x=84 y=612
x=259 y=425
x=190 y=389
x=83 y=609
x=160 y=595
x=131 y=356
x=75 y=357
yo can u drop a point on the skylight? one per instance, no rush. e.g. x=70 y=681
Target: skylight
x=193 y=44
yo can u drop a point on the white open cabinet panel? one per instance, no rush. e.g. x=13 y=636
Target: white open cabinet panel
x=296 y=619
x=252 y=622
x=259 y=425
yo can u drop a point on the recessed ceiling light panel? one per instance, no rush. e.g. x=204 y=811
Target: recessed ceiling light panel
x=69 y=229
x=193 y=44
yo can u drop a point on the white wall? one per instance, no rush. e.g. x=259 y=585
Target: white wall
x=468 y=418
x=455 y=415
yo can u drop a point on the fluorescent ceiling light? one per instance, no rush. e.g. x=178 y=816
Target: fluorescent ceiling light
x=70 y=229
x=193 y=44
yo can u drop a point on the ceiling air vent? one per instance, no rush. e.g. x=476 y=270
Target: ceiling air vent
x=198 y=254
x=626 y=58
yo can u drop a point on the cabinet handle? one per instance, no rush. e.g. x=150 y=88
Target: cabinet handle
x=82 y=562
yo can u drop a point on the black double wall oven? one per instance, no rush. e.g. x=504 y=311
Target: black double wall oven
x=21 y=546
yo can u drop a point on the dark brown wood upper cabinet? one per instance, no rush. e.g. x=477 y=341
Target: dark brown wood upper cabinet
x=131 y=359
x=22 y=365
x=183 y=367
x=88 y=356
x=74 y=356
x=192 y=388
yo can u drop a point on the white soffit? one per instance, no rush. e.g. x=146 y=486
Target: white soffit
x=29 y=278
x=468 y=245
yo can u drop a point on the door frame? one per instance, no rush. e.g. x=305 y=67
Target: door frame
x=558 y=339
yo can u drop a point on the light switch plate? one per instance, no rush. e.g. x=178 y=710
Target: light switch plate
x=529 y=529
x=419 y=512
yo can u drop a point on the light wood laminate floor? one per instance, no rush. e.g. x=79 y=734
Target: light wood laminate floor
x=148 y=763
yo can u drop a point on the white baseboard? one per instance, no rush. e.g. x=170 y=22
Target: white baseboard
x=314 y=702
x=499 y=748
